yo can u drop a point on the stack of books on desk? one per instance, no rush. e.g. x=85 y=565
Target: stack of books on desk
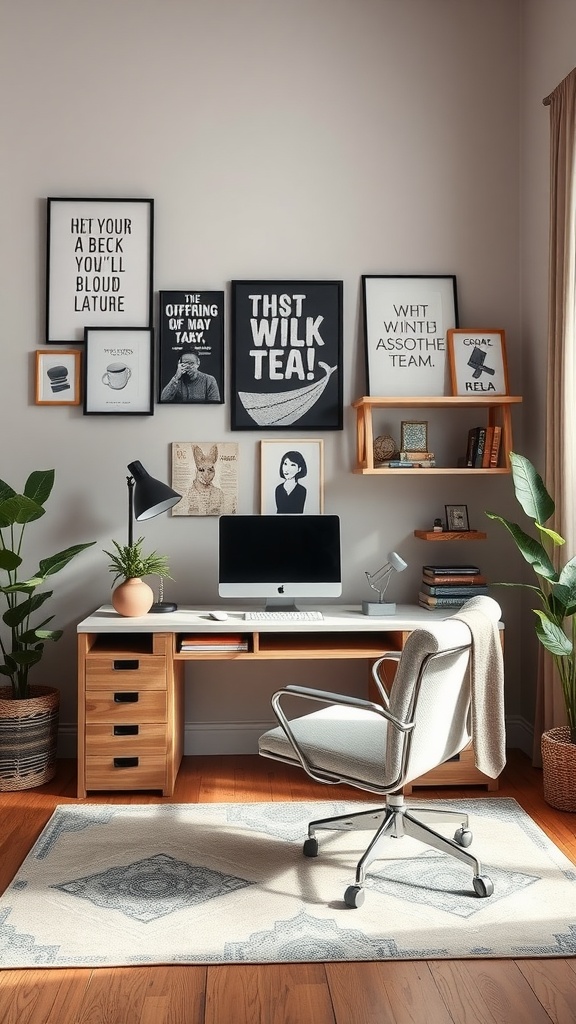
x=449 y=586
x=214 y=642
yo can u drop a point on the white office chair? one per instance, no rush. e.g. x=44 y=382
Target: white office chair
x=423 y=721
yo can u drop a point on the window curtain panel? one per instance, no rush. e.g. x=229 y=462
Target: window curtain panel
x=560 y=472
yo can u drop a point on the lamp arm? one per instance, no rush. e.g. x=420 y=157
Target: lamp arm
x=375 y=578
x=130 y=483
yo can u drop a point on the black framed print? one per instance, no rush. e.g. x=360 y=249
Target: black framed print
x=98 y=265
x=191 y=347
x=118 y=371
x=286 y=355
x=406 y=319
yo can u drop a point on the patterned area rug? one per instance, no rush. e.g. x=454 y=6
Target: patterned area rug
x=118 y=885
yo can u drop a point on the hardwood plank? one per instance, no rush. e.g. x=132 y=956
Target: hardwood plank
x=268 y=994
x=386 y=993
x=554 y=986
x=496 y=986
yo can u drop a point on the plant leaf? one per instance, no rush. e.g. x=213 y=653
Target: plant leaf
x=530 y=489
x=39 y=485
x=529 y=548
x=49 y=566
x=551 y=636
x=19 y=509
x=9 y=560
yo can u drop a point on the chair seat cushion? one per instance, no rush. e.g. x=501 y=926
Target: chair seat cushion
x=349 y=742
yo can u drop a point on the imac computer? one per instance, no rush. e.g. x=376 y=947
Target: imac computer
x=279 y=558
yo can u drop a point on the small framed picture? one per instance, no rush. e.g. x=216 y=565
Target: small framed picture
x=457 y=518
x=477 y=361
x=205 y=473
x=57 y=378
x=118 y=371
x=292 y=477
x=414 y=436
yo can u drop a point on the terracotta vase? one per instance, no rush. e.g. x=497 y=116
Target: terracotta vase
x=28 y=738
x=133 y=597
x=559 y=768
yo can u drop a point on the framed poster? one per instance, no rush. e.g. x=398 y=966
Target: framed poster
x=287 y=355
x=457 y=519
x=292 y=477
x=405 y=323
x=205 y=473
x=118 y=371
x=478 y=363
x=57 y=378
x=98 y=265
x=191 y=347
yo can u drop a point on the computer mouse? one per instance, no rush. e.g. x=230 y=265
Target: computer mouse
x=219 y=616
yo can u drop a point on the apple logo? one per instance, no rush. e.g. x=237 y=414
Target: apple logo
x=281 y=589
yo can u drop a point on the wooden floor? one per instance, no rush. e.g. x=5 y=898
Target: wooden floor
x=412 y=992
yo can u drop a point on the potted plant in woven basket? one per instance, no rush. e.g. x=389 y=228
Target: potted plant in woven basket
x=133 y=596
x=28 y=713
x=555 y=623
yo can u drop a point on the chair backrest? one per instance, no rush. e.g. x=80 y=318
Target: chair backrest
x=432 y=689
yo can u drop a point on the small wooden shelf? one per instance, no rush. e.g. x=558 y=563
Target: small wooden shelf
x=449 y=535
x=497 y=409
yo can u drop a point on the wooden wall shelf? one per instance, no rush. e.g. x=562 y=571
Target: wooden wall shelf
x=449 y=535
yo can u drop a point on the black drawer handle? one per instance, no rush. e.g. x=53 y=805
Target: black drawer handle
x=125 y=762
x=126 y=730
x=125 y=664
x=129 y=697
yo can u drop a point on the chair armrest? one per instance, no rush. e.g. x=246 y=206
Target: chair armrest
x=326 y=697
x=376 y=676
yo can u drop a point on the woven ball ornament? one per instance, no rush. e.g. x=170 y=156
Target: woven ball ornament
x=384 y=448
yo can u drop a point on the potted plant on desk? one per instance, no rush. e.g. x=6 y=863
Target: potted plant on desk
x=555 y=624
x=133 y=596
x=28 y=713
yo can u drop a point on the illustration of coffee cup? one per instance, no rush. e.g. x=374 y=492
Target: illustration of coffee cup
x=117 y=376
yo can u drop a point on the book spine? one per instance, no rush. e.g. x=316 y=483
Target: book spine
x=463 y=581
x=415 y=456
x=495 y=452
x=416 y=464
x=487 y=448
x=480 y=448
x=451 y=570
x=441 y=602
x=472 y=444
x=448 y=591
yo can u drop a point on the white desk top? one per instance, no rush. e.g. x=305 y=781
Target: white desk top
x=188 y=618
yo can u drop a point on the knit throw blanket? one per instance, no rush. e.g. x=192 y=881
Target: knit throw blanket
x=487 y=690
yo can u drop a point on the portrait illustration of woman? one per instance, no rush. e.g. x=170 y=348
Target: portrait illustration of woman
x=290 y=495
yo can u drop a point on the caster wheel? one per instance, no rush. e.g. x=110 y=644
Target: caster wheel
x=483 y=886
x=310 y=848
x=463 y=836
x=354 y=896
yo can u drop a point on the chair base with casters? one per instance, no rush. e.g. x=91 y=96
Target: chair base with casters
x=423 y=720
x=393 y=821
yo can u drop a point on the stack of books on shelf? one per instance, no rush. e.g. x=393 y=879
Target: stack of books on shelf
x=411 y=460
x=449 y=586
x=483 y=450
x=214 y=642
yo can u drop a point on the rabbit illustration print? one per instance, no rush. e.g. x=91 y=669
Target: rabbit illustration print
x=207 y=472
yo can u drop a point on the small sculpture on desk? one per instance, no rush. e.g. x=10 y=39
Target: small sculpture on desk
x=438 y=528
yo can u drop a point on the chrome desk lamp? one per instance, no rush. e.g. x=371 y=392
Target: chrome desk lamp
x=379 y=581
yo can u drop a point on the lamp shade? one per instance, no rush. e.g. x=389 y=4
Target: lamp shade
x=151 y=496
x=397 y=562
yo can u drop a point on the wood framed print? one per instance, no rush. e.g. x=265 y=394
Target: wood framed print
x=414 y=436
x=478 y=364
x=405 y=323
x=57 y=377
x=205 y=473
x=292 y=477
x=457 y=519
x=98 y=265
x=191 y=347
x=287 y=355
x=118 y=371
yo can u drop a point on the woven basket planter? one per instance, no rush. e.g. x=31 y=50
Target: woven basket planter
x=559 y=765
x=28 y=738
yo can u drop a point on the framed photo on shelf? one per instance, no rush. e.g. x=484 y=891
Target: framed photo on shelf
x=292 y=477
x=405 y=323
x=57 y=377
x=118 y=371
x=478 y=364
x=286 y=355
x=414 y=436
x=457 y=518
x=98 y=265
x=191 y=344
x=205 y=473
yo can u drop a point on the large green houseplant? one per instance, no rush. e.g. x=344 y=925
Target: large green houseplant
x=555 y=614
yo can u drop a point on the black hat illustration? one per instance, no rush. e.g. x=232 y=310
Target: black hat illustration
x=477 y=362
x=58 y=376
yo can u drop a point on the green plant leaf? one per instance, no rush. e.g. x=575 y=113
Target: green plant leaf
x=530 y=489
x=529 y=548
x=39 y=485
x=551 y=636
x=25 y=658
x=49 y=566
x=9 y=560
x=23 y=586
x=5 y=491
x=19 y=510
x=15 y=616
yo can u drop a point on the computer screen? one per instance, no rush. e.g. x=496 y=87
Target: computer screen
x=279 y=558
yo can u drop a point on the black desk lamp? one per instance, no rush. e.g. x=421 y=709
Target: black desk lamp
x=147 y=498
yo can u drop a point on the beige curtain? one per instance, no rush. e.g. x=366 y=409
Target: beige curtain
x=560 y=475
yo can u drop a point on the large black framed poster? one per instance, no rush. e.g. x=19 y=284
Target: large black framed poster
x=191 y=347
x=286 y=355
x=99 y=266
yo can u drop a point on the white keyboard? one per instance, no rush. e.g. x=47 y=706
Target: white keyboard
x=280 y=616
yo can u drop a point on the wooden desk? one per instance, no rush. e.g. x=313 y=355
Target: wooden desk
x=131 y=683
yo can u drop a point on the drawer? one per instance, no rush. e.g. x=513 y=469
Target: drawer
x=130 y=707
x=147 y=772
x=115 y=671
x=116 y=739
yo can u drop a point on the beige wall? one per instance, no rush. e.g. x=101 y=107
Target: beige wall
x=310 y=139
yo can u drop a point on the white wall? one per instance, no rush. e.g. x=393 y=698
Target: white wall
x=310 y=139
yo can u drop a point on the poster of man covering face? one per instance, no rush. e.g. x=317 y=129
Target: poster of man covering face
x=191 y=347
x=286 y=355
